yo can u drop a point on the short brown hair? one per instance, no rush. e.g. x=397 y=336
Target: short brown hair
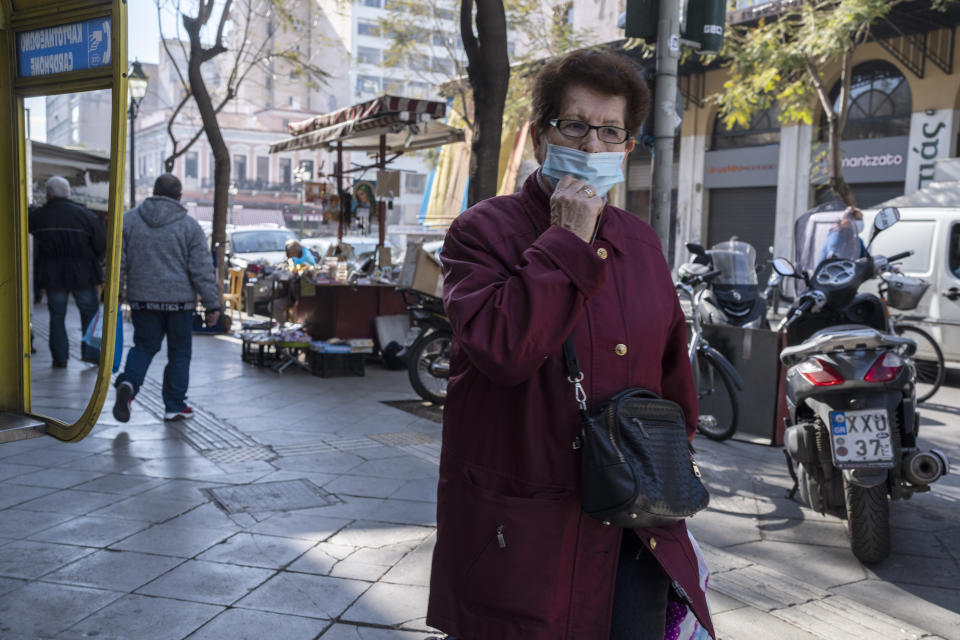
x=601 y=71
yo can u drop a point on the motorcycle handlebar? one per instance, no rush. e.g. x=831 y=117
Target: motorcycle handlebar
x=900 y=256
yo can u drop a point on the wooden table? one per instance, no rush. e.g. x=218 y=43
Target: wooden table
x=344 y=311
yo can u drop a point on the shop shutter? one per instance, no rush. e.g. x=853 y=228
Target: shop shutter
x=749 y=214
x=868 y=194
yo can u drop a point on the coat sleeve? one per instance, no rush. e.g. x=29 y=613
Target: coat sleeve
x=509 y=317
x=677 y=384
x=202 y=274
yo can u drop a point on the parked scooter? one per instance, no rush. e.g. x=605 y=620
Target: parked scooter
x=851 y=399
x=428 y=356
x=734 y=296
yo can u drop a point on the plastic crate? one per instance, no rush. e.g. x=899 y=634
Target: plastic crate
x=262 y=354
x=327 y=365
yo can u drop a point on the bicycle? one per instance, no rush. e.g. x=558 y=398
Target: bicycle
x=713 y=374
x=903 y=293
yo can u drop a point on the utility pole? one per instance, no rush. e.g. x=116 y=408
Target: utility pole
x=668 y=58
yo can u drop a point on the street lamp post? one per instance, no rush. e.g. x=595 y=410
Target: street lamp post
x=137 y=88
x=300 y=176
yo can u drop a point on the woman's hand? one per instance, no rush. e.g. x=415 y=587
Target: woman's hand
x=575 y=206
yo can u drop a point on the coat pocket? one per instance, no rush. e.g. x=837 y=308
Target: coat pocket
x=518 y=548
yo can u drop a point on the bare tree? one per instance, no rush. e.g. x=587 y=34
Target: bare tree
x=488 y=67
x=236 y=33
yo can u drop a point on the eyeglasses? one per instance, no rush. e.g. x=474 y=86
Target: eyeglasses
x=605 y=132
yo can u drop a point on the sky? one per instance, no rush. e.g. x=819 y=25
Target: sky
x=143 y=44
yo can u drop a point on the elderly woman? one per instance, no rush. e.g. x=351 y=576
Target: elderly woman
x=516 y=558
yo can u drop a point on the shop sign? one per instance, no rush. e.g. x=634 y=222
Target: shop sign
x=930 y=134
x=872 y=160
x=64 y=48
x=746 y=167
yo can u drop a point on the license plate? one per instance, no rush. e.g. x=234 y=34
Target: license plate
x=861 y=438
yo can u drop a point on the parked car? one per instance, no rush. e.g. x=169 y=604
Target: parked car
x=257 y=250
x=934 y=236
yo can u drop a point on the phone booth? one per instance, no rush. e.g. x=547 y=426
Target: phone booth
x=55 y=48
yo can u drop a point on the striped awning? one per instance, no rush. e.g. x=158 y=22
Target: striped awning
x=406 y=123
x=371 y=108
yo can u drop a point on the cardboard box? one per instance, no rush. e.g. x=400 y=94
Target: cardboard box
x=421 y=268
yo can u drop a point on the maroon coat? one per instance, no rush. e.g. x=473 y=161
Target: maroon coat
x=516 y=558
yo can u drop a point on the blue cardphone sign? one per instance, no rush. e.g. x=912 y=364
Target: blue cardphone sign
x=64 y=48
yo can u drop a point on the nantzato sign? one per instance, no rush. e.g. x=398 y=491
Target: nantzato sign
x=64 y=48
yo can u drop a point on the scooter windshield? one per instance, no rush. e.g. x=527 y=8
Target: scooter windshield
x=736 y=261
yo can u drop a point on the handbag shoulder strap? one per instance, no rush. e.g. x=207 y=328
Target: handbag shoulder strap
x=575 y=376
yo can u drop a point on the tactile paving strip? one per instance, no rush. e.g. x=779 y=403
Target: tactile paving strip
x=402 y=438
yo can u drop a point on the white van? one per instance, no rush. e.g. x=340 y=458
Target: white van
x=934 y=236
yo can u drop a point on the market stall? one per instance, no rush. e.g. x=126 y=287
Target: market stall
x=382 y=127
x=332 y=306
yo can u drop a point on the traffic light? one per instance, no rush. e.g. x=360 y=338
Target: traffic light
x=702 y=21
x=704 y=24
x=642 y=18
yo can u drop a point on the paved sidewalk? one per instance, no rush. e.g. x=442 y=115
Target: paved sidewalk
x=299 y=507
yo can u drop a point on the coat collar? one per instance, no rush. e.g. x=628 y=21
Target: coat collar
x=534 y=194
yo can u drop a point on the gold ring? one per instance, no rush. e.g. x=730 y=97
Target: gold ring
x=589 y=191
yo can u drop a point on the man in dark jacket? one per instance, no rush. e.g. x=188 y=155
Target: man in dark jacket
x=165 y=264
x=69 y=244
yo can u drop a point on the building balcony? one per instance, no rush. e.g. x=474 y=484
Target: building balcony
x=256 y=185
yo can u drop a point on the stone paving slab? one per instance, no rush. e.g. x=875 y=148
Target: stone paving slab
x=359 y=569
x=247 y=624
x=43 y=610
x=143 y=618
x=305 y=595
x=122 y=571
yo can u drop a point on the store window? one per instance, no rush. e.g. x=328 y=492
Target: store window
x=263 y=169
x=880 y=102
x=764 y=128
x=190 y=164
x=239 y=167
x=367 y=28
x=368 y=55
x=368 y=84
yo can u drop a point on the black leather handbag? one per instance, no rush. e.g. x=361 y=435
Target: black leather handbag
x=637 y=466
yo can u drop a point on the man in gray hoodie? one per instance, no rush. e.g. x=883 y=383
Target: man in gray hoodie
x=165 y=264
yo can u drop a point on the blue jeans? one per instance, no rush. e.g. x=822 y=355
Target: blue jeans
x=88 y=302
x=149 y=329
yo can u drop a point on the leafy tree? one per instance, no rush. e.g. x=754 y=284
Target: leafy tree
x=783 y=61
x=235 y=32
x=488 y=92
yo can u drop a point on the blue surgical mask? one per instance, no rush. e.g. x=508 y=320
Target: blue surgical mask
x=858 y=225
x=600 y=170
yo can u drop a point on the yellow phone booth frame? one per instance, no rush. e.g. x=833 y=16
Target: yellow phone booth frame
x=17 y=17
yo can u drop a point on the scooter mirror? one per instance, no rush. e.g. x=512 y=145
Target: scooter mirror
x=696 y=249
x=784 y=267
x=886 y=218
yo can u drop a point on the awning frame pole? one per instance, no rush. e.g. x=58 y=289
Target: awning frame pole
x=340 y=194
x=381 y=205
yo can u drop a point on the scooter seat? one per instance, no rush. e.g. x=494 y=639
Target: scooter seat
x=844 y=337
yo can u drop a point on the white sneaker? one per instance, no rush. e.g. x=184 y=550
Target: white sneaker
x=184 y=414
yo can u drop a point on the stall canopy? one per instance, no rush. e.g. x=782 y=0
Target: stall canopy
x=407 y=124
x=388 y=124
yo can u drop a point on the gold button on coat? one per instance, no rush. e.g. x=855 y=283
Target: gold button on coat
x=621 y=349
x=653 y=543
x=602 y=253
